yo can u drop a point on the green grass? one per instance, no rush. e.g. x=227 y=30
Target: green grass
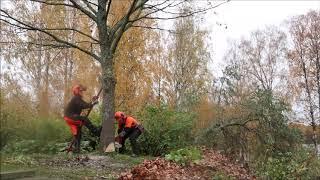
x=75 y=173
x=45 y=165
x=128 y=159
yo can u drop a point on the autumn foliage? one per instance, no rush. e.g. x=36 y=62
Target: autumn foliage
x=270 y=79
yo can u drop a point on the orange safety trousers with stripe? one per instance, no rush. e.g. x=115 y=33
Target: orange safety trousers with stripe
x=73 y=124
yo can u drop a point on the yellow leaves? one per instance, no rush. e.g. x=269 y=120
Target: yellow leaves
x=118 y=10
x=207 y=113
x=86 y=72
x=134 y=85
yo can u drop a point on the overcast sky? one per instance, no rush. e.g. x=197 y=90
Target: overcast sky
x=243 y=17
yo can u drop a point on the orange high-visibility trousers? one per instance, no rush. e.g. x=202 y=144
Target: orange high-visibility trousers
x=73 y=124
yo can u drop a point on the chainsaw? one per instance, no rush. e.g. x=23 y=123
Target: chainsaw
x=118 y=142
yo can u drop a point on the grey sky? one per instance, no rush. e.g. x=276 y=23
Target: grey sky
x=243 y=17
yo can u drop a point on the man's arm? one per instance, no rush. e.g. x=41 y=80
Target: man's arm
x=82 y=104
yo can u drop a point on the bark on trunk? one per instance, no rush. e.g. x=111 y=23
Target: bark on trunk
x=108 y=80
x=108 y=85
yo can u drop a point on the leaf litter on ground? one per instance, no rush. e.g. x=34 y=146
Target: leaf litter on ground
x=213 y=162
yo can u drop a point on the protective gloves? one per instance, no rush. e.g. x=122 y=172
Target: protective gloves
x=122 y=134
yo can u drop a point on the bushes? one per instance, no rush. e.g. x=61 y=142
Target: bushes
x=7 y=128
x=165 y=130
x=259 y=124
x=22 y=133
x=38 y=135
x=185 y=155
x=33 y=146
x=45 y=130
x=290 y=165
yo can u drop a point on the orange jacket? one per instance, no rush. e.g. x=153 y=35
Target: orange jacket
x=127 y=122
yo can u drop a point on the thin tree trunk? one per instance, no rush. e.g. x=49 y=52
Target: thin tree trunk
x=67 y=75
x=39 y=75
x=159 y=93
x=311 y=110
x=318 y=86
x=159 y=82
x=318 y=80
x=44 y=108
x=65 y=78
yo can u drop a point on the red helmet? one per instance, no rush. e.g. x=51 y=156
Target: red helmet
x=118 y=115
x=77 y=88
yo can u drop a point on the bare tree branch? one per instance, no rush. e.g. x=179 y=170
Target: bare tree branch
x=60 y=29
x=108 y=8
x=71 y=29
x=82 y=9
x=163 y=10
x=53 y=3
x=157 y=8
x=124 y=20
x=30 y=27
x=147 y=16
x=154 y=28
x=120 y=27
x=159 y=4
x=89 y=6
x=73 y=5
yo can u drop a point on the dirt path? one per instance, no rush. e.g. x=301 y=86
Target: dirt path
x=87 y=166
x=115 y=166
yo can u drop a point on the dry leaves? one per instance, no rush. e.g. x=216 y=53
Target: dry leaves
x=212 y=162
x=220 y=162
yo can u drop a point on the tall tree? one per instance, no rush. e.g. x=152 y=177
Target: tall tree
x=33 y=64
x=157 y=66
x=188 y=60
x=304 y=59
x=314 y=43
x=133 y=83
x=104 y=43
x=257 y=62
x=263 y=57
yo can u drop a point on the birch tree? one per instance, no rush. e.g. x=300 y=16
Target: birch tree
x=304 y=61
x=188 y=60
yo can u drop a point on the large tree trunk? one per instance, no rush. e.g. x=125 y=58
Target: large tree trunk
x=108 y=85
x=108 y=80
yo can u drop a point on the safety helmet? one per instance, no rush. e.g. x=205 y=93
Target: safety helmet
x=118 y=115
x=77 y=88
